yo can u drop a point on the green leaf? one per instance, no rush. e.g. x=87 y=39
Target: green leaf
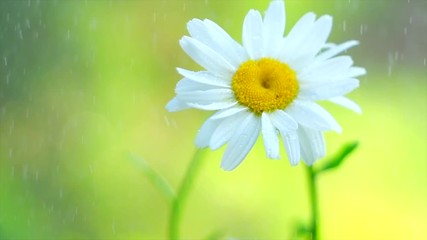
x=337 y=160
x=303 y=230
x=158 y=181
x=215 y=235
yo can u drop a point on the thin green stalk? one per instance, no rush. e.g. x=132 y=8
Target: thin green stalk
x=182 y=194
x=313 y=203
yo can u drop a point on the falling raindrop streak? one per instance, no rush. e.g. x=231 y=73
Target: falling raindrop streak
x=154 y=17
x=11 y=127
x=113 y=227
x=167 y=121
x=8 y=78
x=21 y=36
x=25 y=172
x=27 y=22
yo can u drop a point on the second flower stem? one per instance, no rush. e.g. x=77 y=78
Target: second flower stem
x=313 y=203
x=181 y=195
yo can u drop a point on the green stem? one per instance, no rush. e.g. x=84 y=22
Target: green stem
x=313 y=203
x=182 y=194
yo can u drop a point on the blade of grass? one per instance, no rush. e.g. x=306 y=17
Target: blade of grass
x=338 y=159
x=182 y=194
x=156 y=179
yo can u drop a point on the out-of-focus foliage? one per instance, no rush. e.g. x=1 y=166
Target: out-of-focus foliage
x=83 y=83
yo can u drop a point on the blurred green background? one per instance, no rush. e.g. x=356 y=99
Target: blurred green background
x=84 y=83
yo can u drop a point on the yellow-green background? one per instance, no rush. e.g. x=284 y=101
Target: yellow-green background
x=84 y=83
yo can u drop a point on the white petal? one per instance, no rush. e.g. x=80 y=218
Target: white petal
x=355 y=72
x=205 y=78
x=207 y=57
x=332 y=51
x=225 y=130
x=206 y=96
x=331 y=69
x=175 y=105
x=347 y=103
x=312 y=43
x=319 y=34
x=292 y=146
x=213 y=106
x=312 y=115
x=287 y=127
x=312 y=145
x=229 y=112
x=205 y=133
x=273 y=28
x=269 y=136
x=230 y=49
x=282 y=121
x=252 y=34
x=322 y=91
x=187 y=85
x=241 y=142
x=296 y=36
x=217 y=39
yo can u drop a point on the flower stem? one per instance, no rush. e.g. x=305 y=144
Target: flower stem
x=313 y=203
x=181 y=196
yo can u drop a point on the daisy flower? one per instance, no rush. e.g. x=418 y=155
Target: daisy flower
x=269 y=85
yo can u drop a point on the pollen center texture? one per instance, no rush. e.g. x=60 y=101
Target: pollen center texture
x=265 y=85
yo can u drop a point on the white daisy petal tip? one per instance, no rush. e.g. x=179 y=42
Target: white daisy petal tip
x=175 y=105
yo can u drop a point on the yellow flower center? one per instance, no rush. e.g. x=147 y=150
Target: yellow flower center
x=264 y=85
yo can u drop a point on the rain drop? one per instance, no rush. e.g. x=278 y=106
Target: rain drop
x=11 y=127
x=167 y=121
x=21 y=36
x=25 y=172
x=8 y=78
x=27 y=23
x=113 y=227
x=154 y=17
x=389 y=70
